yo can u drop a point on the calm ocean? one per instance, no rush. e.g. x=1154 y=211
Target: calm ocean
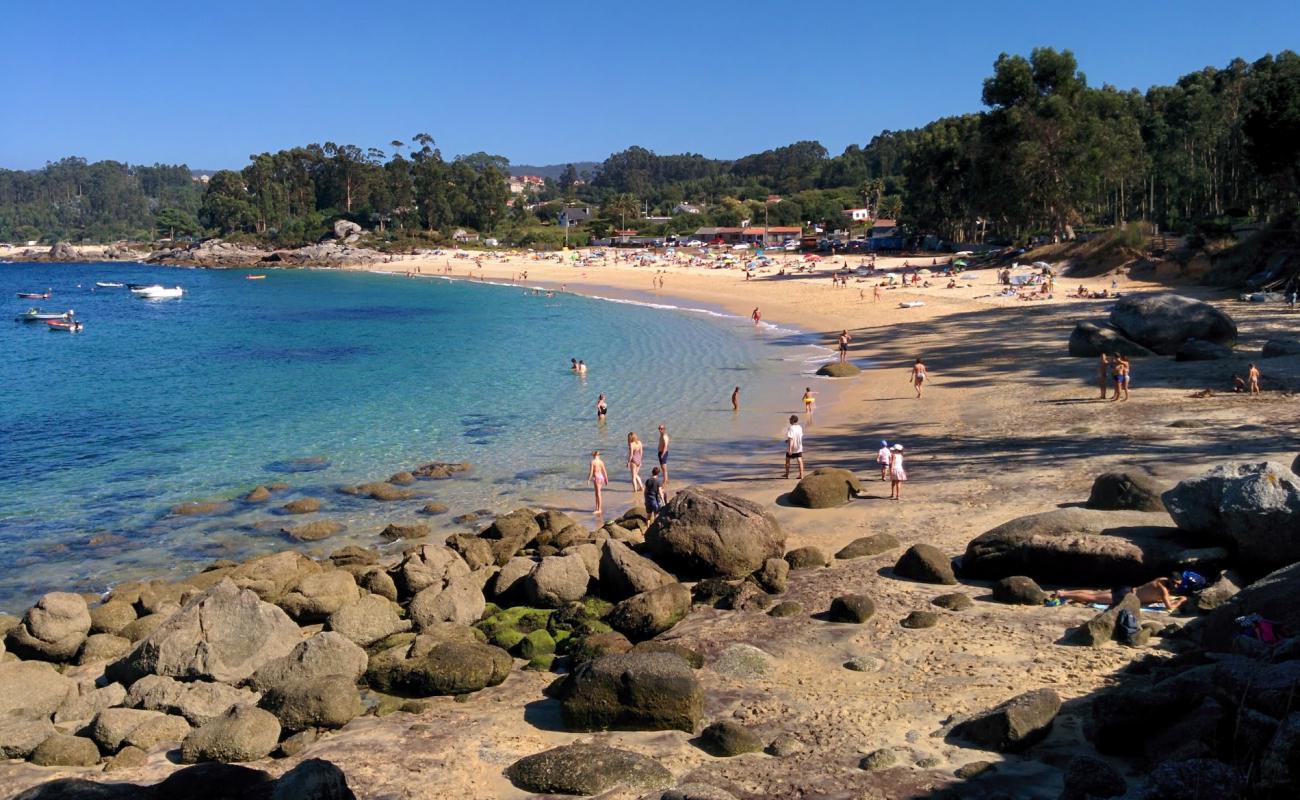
x=157 y=403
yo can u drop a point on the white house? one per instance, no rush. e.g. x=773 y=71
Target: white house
x=857 y=214
x=686 y=208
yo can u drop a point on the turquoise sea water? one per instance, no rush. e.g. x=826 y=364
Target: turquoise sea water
x=157 y=403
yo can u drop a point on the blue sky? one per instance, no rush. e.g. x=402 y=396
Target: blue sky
x=207 y=84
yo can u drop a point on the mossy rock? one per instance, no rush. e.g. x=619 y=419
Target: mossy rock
x=537 y=643
x=506 y=638
x=541 y=663
x=838 y=370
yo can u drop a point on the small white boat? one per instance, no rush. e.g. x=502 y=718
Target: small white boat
x=106 y=285
x=157 y=292
x=36 y=315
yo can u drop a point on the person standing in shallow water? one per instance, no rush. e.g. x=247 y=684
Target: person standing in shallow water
x=844 y=345
x=602 y=408
x=663 y=452
x=598 y=477
x=735 y=399
x=635 y=451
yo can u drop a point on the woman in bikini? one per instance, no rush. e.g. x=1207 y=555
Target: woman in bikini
x=599 y=479
x=917 y=376
x=634 y=452
x=809 y=401
x=1121 y=370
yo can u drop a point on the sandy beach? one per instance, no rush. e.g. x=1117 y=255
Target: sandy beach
x=1009 y=425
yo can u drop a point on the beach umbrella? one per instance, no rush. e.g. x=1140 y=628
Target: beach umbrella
x=959 y=262
x=923 y=272
x=811 y=257
x=1042 y=265
x=963 y=253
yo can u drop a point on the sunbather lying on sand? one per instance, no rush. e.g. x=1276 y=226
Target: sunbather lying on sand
x=1149 y=593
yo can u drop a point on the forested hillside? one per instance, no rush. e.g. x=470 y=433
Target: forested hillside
x=1049 y=153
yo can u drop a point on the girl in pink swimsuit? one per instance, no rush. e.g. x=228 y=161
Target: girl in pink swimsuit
x=599 y=479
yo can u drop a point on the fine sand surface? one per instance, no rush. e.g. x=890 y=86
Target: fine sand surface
x=1009 y=425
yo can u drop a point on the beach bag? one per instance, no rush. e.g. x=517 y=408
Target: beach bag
x=1190 y=582
x=1127 y=627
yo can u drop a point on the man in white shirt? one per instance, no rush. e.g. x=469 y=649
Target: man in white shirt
x=794 y=445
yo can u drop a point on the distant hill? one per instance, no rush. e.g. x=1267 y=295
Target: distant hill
x=552 y=172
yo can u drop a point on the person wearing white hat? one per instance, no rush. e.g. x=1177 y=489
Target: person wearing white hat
x=897 y=475
x=882 y=458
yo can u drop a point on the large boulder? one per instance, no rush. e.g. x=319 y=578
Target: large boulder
x=368 y=620
x=313 y=598
x=244 y=733
x=453 y=667
x=704 y=533
x=623 y=573
x=1125 y=491
x=1016 y=724
x=1078 y=546
x=53 y=629
x=925 y=563
x=20 y=735
x=1255 y=508
x=430 y=565
x=510 y=533
x=632 y=691
x=1272 y=597
x=1100 y=630
x=1277 y=348
x=729 y=738
x=1162 y=322
x=269 y=576
x=1198 y=350
x=224 y=634
x=327 y=653
x=313 y=779
x=649 y=614
x=32 y=689
x=507 y=586
x=460 y=601
x=1090 y=339
x=586 y=769
x=872 y=545
x=199 y=702
x=557 y=580
x=329 y=701
x=343 y=229
x=113 y=728
x=826 y=487
x=65 y=750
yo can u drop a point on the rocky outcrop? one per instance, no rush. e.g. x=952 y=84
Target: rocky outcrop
x=925 y=563
x=586 y=769
x=244 y=733
x=1273 y=597
x=649 y=614
x=826 y=487
x=1125 y=491
x=1078 y=546
x=837 y=370
x=1090 y=339
x=1163 y=322
x=224 y=634
x=52 y=630
x=703 y=533
x=1014 y=725
x=217 y=253
x=632 y=691
x=1278 y=348
x=1254 y=508
x=199 y=702
x=623 y=573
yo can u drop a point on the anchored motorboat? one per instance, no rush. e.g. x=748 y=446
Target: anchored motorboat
x=36 y=315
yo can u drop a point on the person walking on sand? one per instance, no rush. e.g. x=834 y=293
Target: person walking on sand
x=757 y=316
x=635 y=451
x=882 y=458
x=735 y=399
x=663 y=452
x=809 y=400
x=1103 y=374
x=602 y=408
x=877 y=293
x=897 y=474
x=599 y=479
x=1252 y=379
x=918 y=376
x=653 y=492
x=794 y=445
x=844 y=345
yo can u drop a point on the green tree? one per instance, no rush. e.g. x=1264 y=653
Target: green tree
x=175 y=220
